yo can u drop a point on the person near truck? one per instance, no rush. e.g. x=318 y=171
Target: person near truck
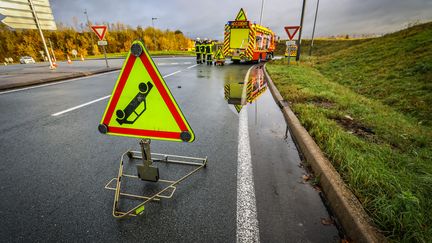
x=203 y=50
x=209 y=52
x=198 y=44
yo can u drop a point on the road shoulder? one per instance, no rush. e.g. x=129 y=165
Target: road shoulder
x=342 y=201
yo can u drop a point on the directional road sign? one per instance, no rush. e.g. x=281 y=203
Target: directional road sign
x=102 y=43
x=290 y=43
x=19 y=14
x=100 y=30
x=291 y=31
x=142 y=105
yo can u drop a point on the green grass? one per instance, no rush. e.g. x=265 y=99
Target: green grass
x=329 y=46
x=395 y=69
x=153 y=53
x=109 y=55
x=321 y=46
x=384 y=153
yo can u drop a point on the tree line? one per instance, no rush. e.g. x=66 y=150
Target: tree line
x=17 y=43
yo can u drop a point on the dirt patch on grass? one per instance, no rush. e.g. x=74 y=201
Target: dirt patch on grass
x=321 y=102
x=355 y=128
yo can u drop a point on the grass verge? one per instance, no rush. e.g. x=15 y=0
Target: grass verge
x=383 y=155
x=395 y=69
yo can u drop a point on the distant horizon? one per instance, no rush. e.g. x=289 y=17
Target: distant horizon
x=305 y=37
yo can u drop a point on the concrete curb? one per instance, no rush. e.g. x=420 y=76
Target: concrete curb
x=344 y=204
x=4 y=87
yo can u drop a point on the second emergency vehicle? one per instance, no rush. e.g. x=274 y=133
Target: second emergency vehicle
x=247 y=41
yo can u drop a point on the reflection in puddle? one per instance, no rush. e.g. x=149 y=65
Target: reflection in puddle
x=205 y=73
x=240 y=94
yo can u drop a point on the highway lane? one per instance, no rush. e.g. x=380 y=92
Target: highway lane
x=63 y=66
x=54 y=169
x=13 y=75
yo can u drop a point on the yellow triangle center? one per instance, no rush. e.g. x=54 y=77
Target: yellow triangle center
x=241 y=15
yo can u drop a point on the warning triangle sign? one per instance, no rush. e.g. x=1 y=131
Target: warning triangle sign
x=219 y=54
x=241 y=15
x=141 y=104
x=100 y=30
x=291 y=31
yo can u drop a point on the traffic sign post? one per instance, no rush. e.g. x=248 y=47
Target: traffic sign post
x=291 y=50
x=291 y=31
x=142 y=106
x=25 y=14
x=100 y=31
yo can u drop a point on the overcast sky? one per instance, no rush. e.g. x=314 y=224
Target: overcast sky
x=205 y=18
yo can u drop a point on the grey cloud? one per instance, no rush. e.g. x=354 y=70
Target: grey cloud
x=207 y=18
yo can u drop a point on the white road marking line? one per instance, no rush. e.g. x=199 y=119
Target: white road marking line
x=247 y=221
x=55 y=83
x=172 y=63
x=192 y=66
x=172 y=74
x=79 y=106
x=97 y=100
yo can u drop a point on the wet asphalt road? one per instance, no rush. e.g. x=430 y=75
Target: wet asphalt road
x=53 y=169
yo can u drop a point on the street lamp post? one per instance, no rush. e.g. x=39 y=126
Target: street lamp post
x=154 y=32
x=300 y=32
x=313 y=30
x=88 y=24
x=262 y=11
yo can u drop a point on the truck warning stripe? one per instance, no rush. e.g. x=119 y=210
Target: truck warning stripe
x=249 y=51
x=226 y=40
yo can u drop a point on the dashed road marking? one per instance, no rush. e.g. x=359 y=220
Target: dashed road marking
x=79 y=106
x=97 y=100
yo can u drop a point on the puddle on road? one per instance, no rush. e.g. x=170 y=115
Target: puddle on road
x=205 y=73
x=238 y=94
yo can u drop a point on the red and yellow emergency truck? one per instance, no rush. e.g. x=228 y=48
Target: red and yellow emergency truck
x=247 y=41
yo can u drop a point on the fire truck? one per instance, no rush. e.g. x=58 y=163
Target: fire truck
x=247 y=41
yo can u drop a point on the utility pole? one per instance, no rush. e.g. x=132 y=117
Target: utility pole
x=88 y=24
x=300 y=33
x=313 y=30
x=154 y=31
x=262 y=11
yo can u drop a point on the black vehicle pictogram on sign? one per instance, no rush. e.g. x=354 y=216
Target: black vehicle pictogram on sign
x=123 y=115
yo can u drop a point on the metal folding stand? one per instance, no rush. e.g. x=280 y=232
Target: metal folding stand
x=148 y=172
